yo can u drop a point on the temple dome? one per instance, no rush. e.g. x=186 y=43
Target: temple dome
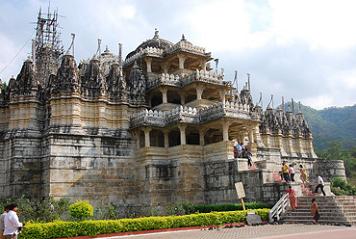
x=156 y=42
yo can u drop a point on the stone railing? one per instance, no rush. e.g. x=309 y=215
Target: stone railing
x=162 y=118
x=165 y=79
x=151 y=51
x=204 y=76
x=190 y=115
x=187 y=46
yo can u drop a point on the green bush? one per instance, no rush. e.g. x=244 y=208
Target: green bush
x=206 y=208
x=46 y=210
x=340 y=187
x=95 y=227
x=81 y=210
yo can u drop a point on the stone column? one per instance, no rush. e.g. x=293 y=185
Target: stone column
x=181 y=60
x=137 y=136
x=182 y=98
x=222 y=96
x=148 y=64
x=201 y=137
x=257 y=137
x=164 y=95
x=250 y=136
x=147 y=136
x=166 y=138
x=199 y=90
x=225 y=130
x=182 y=134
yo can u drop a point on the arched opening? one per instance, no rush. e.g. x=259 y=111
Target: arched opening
x=156 y=99
x=213 y=136
x=173 y=97
x=190 y=96
x=192 y=136
x=156 y=138
x=174 y=138
x=210 y=94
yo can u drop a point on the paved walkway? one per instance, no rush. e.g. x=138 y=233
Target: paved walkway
x=287 y=231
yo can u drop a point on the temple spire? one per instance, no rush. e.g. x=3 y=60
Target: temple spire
x=120 y=54
x=248 y=81
x=98 y=50
x=283 y=107
x=71 y=46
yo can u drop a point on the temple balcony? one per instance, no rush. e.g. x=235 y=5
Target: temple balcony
x=189 y=115
x=149 y=52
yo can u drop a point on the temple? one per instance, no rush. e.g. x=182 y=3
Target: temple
x=155 y=129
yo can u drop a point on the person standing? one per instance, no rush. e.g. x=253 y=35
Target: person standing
x=285 y=171
x=12 y=223
x=292 y=197
x=2 y=223
x=249 y=158
x=291 y=172
x=303 y=174
x=320 y=185
x=315 y=211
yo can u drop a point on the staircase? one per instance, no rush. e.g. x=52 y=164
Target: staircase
x=339 y=210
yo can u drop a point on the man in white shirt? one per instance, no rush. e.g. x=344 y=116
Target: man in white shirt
x=12 y=223
x=320 y=185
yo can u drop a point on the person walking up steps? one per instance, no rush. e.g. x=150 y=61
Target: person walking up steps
x=285 y=171
x=314 y=209
x=320 y=185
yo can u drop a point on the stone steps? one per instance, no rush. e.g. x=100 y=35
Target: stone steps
x=333 y=210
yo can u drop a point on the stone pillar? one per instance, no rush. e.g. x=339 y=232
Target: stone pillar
x=201 y=137
x=166 y=138
x=164 y=95
x=222 y=96
x=182 y=98
x=199 y=90
x=225 y=130
x=250 y=136
x=182 y=134
x=181 y=60
x=301 y=146
x=147 y=136
x=148 y=64
x=257 y=137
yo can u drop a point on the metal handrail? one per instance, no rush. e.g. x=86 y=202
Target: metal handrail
x=279 y=208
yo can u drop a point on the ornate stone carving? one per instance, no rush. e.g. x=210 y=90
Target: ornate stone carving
x=67 y=79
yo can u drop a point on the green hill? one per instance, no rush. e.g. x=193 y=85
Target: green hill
x=332 y=125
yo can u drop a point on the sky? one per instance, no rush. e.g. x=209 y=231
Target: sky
x=301 y=49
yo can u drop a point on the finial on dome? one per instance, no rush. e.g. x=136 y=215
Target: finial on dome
x=156 y=36
x=248 y=81
x=183 y=37
x=270 y=104
x=283 y=106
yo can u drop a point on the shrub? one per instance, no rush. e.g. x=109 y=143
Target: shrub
x=45 y=210
x=95 y=227
x=206 y=208
x=340 y=187
x=81 y=210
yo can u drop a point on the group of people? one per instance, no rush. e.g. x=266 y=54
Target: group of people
x=10 y=226
x=240 y=151
x=288 y=173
